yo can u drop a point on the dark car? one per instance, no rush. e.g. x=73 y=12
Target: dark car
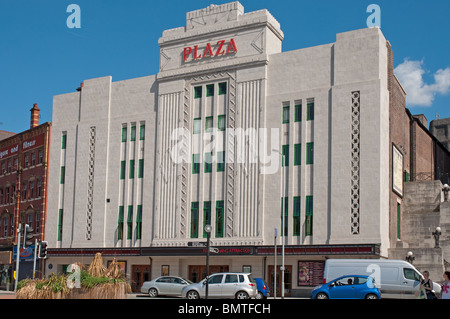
x=263 y=289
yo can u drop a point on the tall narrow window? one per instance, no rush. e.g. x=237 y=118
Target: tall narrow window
x=310 y=153
x=196 y=164
x=221 y=122
x=130 y=222
x=197 y=92
x=60 y=224
x=63 y=141
x=194 y=220
x=310 y=111
x=206 y=216
x=296 y=216
x=286 y=214
x=285 y=114
x=210 y=90
x=309 y=216
x=133 y=133
x=220 y=161
x=63 y=175
x=208 y=162
x=124 y=133
x=219 y=219
x=131 y=172
x=222 y=88
x=139 y=222
x=197 y=128
x=298 y=113
x=208 y=124
x=141 y=169
x=120 y=223
x=122 y=170
x=285 y=152
x=297 y=154
x=142 y=132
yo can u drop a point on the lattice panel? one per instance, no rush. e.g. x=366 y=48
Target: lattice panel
x=90 y=187
x=355 y=171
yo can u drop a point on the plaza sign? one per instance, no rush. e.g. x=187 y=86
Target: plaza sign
x=222 y=47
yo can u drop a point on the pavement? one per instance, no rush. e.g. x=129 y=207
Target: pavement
x=7 y=294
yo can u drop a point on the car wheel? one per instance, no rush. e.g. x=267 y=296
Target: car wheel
x=192 y=294
x=371 y=296
x=153 y=293
x=259 y=295
x=242 y=295
x=321 y=295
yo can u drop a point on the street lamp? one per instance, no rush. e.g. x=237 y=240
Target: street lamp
x=208 y=236
x=436 y=235
x=283 y=229
x=410 y=257
x=446 y=189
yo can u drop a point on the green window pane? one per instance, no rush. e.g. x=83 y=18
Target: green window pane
x=60 y=224
x=285 y=114
x=309 y=205
x=310 y=111
x=220 y=161
x=141 y=169
x=197 y=126
x=124 y=133
x=222 y=88
x=64 y=141
x=120 y=223
x=133 y=133
x=297 y=154
x=206 y=216
x=130 y=222
x=122 y=170
x=197 y=92
x=209 y=124
x=286 y=214
x=219 y=218
x=139 y=222
x=194 y=220
x=310 y=153
x=285 y=152
x=131 y=172
x=208 y=162
x=62 y=179
x=221 y=122
x=142 y=132
x=308 y=225
x=296 y=216
x=298 y=113
x=210 y=90
x=196 y=164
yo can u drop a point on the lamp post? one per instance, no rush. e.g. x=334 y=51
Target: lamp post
x=283 y=229
x=208 y=236
x=436 y=235
x=410 y=257
x=446 y=189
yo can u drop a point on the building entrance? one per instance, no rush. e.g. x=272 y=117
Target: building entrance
x=198 y=272
x=287 y=281
x=140 y=273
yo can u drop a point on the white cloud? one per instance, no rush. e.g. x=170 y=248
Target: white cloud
x=419 y=93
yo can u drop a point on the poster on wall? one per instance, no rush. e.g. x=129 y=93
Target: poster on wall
x=397 y=171
x=310 y=273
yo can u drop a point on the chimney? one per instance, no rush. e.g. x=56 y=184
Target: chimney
x=34 y=116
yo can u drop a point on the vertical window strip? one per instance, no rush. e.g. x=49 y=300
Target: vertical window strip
x=60 y=224
x=120 y=223
x=285 y=152
x=197 y=126
x=206 y=216
x=141 y=168
x=122 y=170
x=222 y=88
x=133 y=133
x=194 y=219
x=130 y=222
x=131 y=172
x=221 y=122
x=139 y=222
x=63 y=141
x=285 y=114
x=286 y=214
x=210 y=90
x=298 y=113
x=310 y=111
x=309 y=216
x=310 y=153
x=197 y=92
x=62 y=179
x=195 y=163
x=221 y=161
x=208 y=162
x=297 y=154
x=219 y=218
x=142 y=132
x=296 y=216
x=124 y=133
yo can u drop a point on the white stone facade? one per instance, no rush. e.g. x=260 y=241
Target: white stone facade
x=343 y=137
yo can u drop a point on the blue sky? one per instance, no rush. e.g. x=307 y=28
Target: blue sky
x=41 y=57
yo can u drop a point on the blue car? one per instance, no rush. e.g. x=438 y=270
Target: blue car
x=262 y=288
x=348 y=287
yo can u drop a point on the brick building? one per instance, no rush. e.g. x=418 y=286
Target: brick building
x=23 y=192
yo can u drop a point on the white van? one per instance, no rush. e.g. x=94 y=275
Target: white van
x=394 y=278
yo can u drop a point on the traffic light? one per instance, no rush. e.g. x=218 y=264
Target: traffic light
x=27 y=234
x=43 y=250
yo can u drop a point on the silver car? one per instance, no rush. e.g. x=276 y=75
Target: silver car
x=165 y=286
x=223 y=285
